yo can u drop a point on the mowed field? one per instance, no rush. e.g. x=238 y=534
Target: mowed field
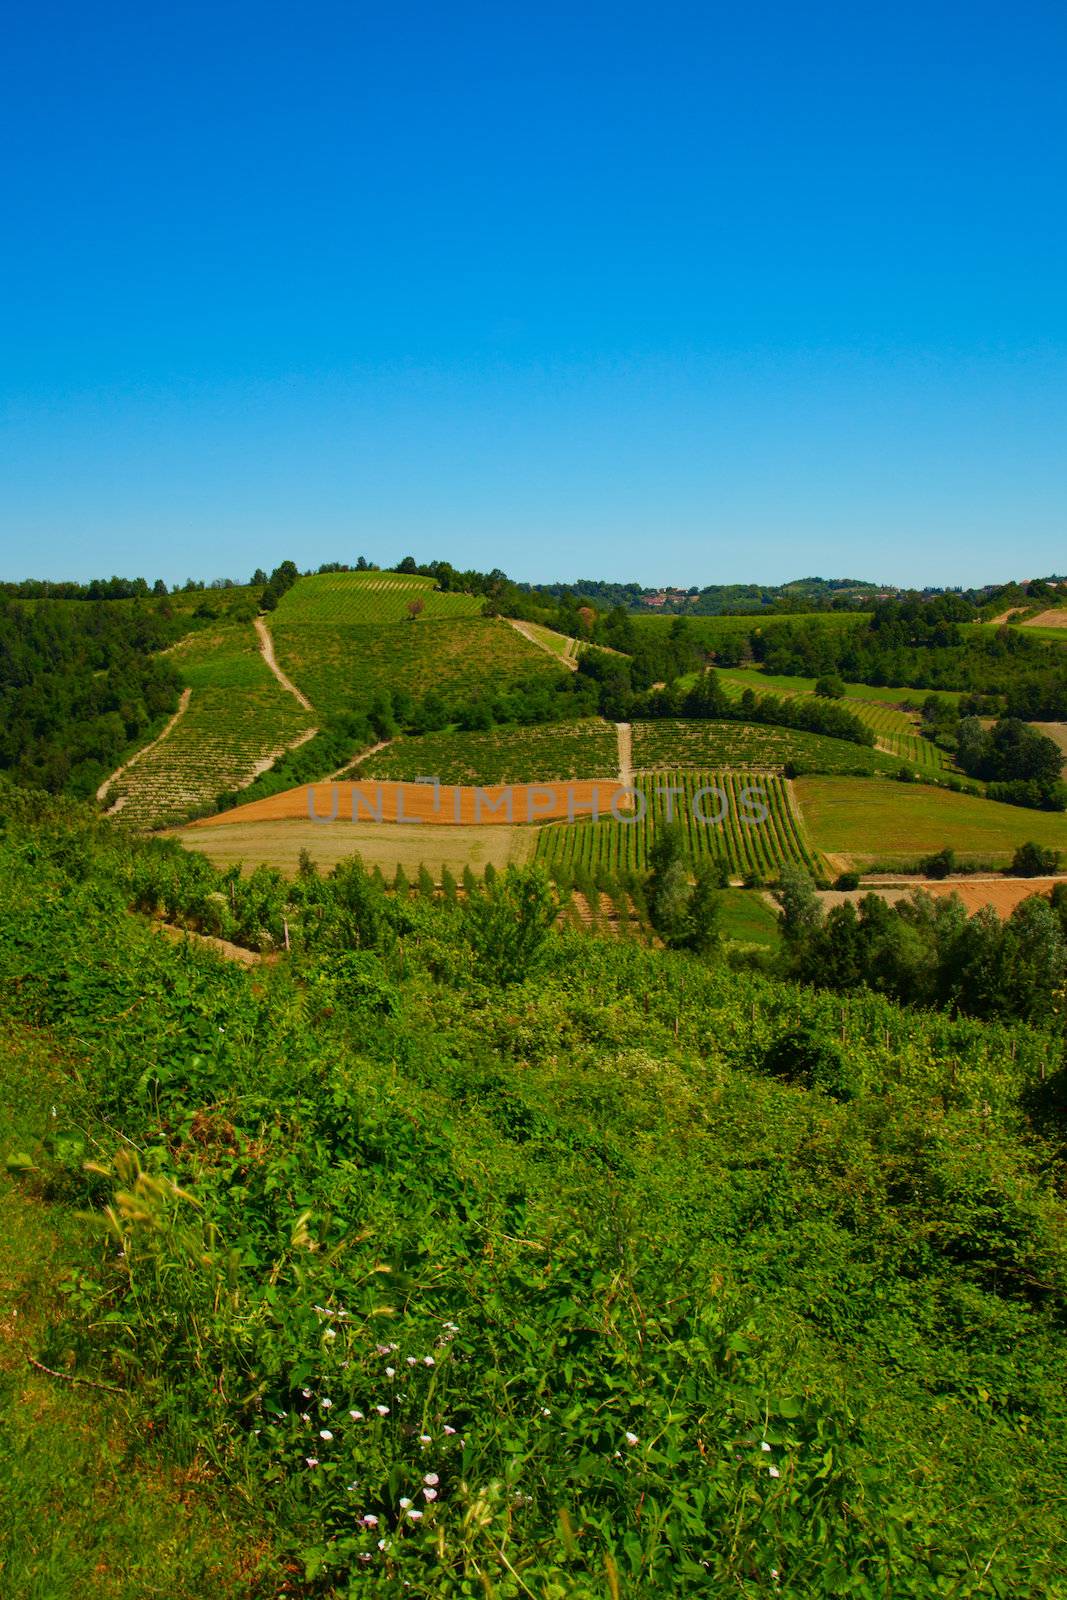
x=238 y=719
x=387 y=845
x=345 y=666
x=675 y=743
x=864 y=821
x=373 y=598
x=544 y=753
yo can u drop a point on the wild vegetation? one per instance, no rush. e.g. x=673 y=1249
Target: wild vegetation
x=490 y=1258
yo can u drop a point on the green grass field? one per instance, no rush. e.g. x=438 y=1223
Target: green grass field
x=710 y=630
x=745 y=847
x=886 y=822
x=745 y=917
x=544 y=753
x=344 y=666
x=238 y=718
x=674 y=743
x=369 y=598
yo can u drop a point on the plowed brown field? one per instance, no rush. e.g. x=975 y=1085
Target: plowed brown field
x=370 y=801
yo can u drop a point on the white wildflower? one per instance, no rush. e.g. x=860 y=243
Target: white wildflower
x=432 y=1479
x=324 y=1433
x=415 y=1516
x=383 y=1411
x=430 y=1494
x=312 y=1461
x=631 y=1438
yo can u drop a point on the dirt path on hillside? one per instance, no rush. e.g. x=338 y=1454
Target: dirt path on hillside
x=221 y=947
x=183 y=706
x=364 y=755
x=522 y=627
x=624 y=737
x=266 y=645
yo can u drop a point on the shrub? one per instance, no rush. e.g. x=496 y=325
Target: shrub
x=1034 y=861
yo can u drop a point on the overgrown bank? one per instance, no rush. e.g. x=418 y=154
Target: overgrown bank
x=508 y=1261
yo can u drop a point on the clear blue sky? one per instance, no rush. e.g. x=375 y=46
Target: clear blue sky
x=686 y=293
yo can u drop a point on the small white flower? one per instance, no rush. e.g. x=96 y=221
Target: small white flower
x=384 y=1349
x=430 y=1494
x=383 y=1411
x=415 y=1516
x=390 y=1372
x=631 y=1438
x=432 y=1479
x=357 y=1416
x=305 y=1416
x=306 y=1393
x=427 y=1361
x=381 y=1544
x=369 y=1521
x=545 y=1412
x=774 y=1472
x=410 y=1360
x=312 y=1461
x=765 y=1446
x=324 y=1433
x=449 y=1431
x=424 y=1438
x=405 y=1503
x=327 y=1405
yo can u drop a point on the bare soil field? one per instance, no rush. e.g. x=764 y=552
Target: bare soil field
x=1003 y=894
x=1047 y=619
x=279 y=843
x=445 y=805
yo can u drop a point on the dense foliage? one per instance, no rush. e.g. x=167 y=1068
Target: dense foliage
x=495 y=1260
x=78 y=684
x=927 y=952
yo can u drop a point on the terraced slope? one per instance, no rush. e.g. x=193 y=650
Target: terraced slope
x=745 y=846
x=346 y=666
x=895 y=731
x=543 y=754
x=238 y=719
x=676 y=743
x=371 y=598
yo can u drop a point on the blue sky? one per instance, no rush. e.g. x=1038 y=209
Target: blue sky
x=683 y=293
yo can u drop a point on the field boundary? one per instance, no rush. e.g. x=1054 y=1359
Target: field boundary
x=266 y=647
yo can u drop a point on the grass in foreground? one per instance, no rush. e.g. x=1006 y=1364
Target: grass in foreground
x=90 y=1506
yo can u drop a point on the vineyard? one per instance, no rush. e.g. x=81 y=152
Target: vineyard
x=745 y=846
x=894 y=730
x=544 y=753
x=345 y=667
x=749 y=745
x=238 y=719
x=369 y=599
